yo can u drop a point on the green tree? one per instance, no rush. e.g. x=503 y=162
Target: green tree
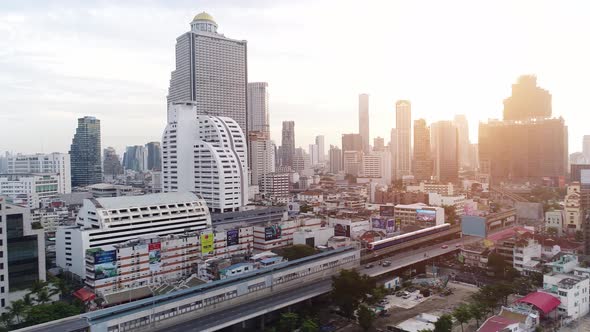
x=478 y=312
x=366 y=317
x=17 y=310
x=288 y=322
x=297 y=251
x=37 y=286
x=497 y=264
x=551 y=231
x=43 y=296
x=462 y=314
x=51 y=311
x=444 y=323
x=28 y=300
x=6 y=320
x=349 y=288
x=309 y=325
x=503 y=290
x=450 y=214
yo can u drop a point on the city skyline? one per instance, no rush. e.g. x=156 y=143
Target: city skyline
x=120 y=76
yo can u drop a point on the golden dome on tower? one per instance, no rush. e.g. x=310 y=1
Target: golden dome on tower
x=204 y=17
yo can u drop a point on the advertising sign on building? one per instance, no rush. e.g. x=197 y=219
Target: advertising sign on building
x=155 y=256
x=105 y=264
x=207 y=241
x=390 y=226
x=378 y=223
x=233 y=237
x=386 y=210
x=426 y=215
x=342 y=230
x=272 y=232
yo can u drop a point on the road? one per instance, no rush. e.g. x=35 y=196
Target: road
x=404 y=259
x=225 y=318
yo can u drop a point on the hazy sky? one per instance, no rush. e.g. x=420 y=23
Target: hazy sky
x=60 y=60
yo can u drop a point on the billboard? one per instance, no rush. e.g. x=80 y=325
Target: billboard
x=386 y=210
x=426 y=215
x=272 y=232
x=155 y=256
x=342 y=230
x=378 y=223
x=105 y=264
x=207 y=241
x=390 y=228
x=233 y=237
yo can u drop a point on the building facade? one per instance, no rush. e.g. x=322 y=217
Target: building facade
x=154 y=156
x=261 y=156
x=403 y=126
x=109 y=221
x=52 y=163
x=319 y=141
x=288 y=143
x=135 y=158
x=258 y=114
x=30 y=190
x=206 y=155
x=363 y=123
x=463 y=140
x=527 y=100
x=352 y=142
x=335 y=158
x=211 y=71
x=422 y=164
x=446 y=151
x=85 y=160
x=111 y=165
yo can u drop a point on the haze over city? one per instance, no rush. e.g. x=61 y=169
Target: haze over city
x=447 y=58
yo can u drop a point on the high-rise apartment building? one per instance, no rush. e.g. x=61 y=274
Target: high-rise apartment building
x=446 y=151
x=258 y=115
x=211 y=71
x=22 y=261
x=586 y=148
x=377 y=166
x=403 y=126
x=463 y=130
x=111 y=165
x=288 y=143
x=85 y=160
x=351 y=161
x=52 y=163
x=154 y=156
x=206 y=155
x=301 y=161
x=352 y=142
x=527 y=101
x=364 y=123
x=319 y=141
x=261 y=154
x=335 y=155
x=422 y=165
x=314 y=154
x=523 y=151
x=135 y=158
x=393 y=150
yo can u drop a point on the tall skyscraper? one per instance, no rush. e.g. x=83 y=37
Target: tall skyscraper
x=111 y=166
x=527 y=101
x=261 y=153
x=403 y=126
x=422 y=164
x=528 y=146
x=301 y=161
x=463 y=130
x=154 y=156
x=586 y=147
x=393 y=150
x=352 y=142
x=319 y=141
x=206 y=155
x=258 y=115
x=314 y=155
x=364 y=122
x=288 y=143
x=446 y=151
x=85 y=153
x=211 y=71
x=51 y=163
x=335 y=155
x=135 y=158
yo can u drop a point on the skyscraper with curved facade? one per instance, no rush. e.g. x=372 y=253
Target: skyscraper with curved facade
x=211 y=71
x=86 y=164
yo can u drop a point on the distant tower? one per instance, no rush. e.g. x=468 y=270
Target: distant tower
x=403 y=125
x=288 y=143
x=258 y=116
x=211 y=71
x=319 y=141
x=111 y=163
x=446 y=149
x=85 y=153
x=586 y=148
x=378 y=144
x=364 y=121
x=527 y=100
x=335 y=155
x=154 y=156
x=422 y=164
x=464 y=144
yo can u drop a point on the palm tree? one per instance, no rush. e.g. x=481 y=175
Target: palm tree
x=462 y=314
x=37 y=286
x=43 y=296
x=28 y=300
x=17 y=309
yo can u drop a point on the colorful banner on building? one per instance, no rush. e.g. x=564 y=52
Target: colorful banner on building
x=233 y=237
x=207 y=241
x=105 y=264
x=378 y=223
x=390 y=226
x=155 y=256
x=426 y=215
x=386 y=210
x=272 y=232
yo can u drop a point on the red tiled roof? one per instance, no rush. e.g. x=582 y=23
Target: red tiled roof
x=545 y=302
x=84 y=295
x=496 y=324
x=506 y=233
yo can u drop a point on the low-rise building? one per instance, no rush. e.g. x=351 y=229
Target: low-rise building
x=274 y=236
x=436 y=199
x=419 y=214
x=527 y=256
x=475 y=255
x=101 y=190
x=555 y=220
x=30 y=190
x=439 y=188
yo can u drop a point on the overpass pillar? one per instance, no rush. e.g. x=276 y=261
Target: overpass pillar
x=262 y=322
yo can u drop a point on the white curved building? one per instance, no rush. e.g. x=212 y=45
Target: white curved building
x=206 y=155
